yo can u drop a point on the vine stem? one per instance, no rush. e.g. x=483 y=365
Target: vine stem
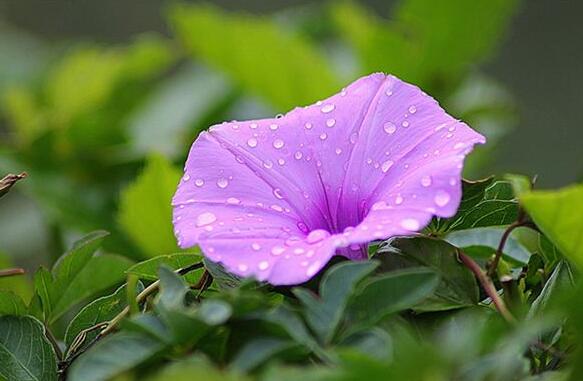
x=11 y=272
x=487 y=285
x=111 y=325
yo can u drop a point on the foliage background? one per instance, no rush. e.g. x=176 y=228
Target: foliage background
x=99 y=103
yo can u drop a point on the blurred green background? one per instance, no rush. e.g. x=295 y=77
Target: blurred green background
x=91 y=93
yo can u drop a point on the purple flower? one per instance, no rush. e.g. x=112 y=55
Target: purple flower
x=277 y=198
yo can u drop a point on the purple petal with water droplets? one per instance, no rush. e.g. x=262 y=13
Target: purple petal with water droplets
x=378 y=159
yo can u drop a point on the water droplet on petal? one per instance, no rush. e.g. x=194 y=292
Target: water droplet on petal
x=255 y=246
x=452 y=181
x=233 y=201
x=441 y=198
x=186 y=177
x=390 y=128
x=323 y=136
x=277 y=250
x=328 y=108
x=277 y=208
x=303 y=227
x=252 y=142
x=280 y=161
x=426 y=181
x=389 y=92
x=338 y=151
x=268 y=164
x=277 y=193
x=398 y=200
x=274 y=126
x=243 y=267
x=313 y=269
x=205 y=219
x=298 y=155
x=459 y=145
x=299 y=251
x=199 y=182
x=317 y=235
x=253 y=126
x=263 y=265
x=405 y=124
x=353 y=137
x=387 y=165
x=412 y=109
x=308 y=126
x=330 y=122
x=278 y=143
x=222 y=183
x=410 y=224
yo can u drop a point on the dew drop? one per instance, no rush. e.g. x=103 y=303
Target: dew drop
x=389 y=92
x=222 y=183
x=387 y=165
x=308 y=126
x=253 y=126
x=328 y=108
x=186 y=177
x=459 y=145
x=199 y=182
x=274 y=126
x=205 y=219
x=323 y=136
x=313 y=269
x=298 y=155
x=338 y=151
x=278 y=143
x=441 y=198
x=268 y=164
x=390 y=128
x=277 y=193
x=277 y=208
x=410 y=224
x=299 y=251
x=426 y=181
x=405 y=124
x=353 y=138
x=233 y=201
x=242 y=267
x=255 y=246
x=317 y=235
x=263 y=265
x=398 y=200
x=252 y=142
x=280 y=161
x=331 y=122
x=412 y=109
x=277 y=250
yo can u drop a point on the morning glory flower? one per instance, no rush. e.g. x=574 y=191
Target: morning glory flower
x=276 y=198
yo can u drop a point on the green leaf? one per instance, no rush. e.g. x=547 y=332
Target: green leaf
x=338 y=284
x=457 y=286
x=558 y=215
x=148 y=270
x=485 y=203
x=392 y=292
x=98 y=311
x=257 y=351
x=261 y=56
x=25 y=353
x=77 y=275
x=561 y=279
x=145 y=207
x=11 y=304
x=195 y=368
x=114 y=355
x=490 y=238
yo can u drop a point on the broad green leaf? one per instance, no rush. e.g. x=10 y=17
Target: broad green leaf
x=173 y=289
x=323 y=313
x=267 y=60
x=392 y=292
x=148 y=270
x=558 y=215
x=25 y=353
x=490 y=238
x=145 y=207
x=561 y=279
x=281 y=372
x=77 y=275
x=412 y=44
x=11 y=304
x=484 y=203
x=114 y=355
x=195 y=368
x=457 y=285
x=222 y=278
x=257 y=351
x=98 y=311
x=374 y=342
